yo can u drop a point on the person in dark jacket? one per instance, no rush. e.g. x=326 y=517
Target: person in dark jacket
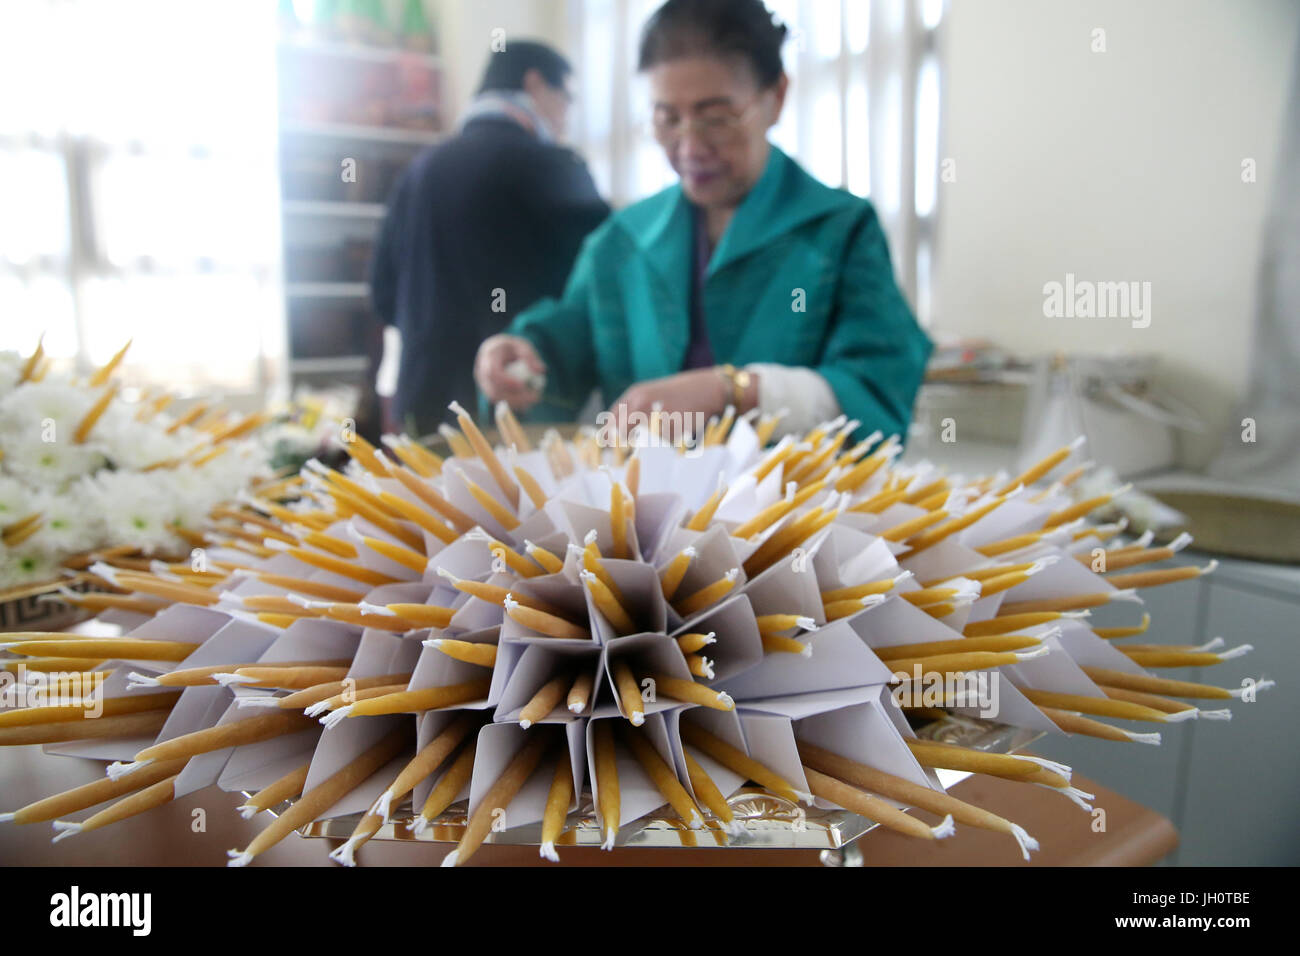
x=479 y=227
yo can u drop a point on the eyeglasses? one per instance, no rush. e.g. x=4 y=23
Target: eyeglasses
x=716 y=126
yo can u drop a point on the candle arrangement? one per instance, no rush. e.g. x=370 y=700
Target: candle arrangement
x=643 y=628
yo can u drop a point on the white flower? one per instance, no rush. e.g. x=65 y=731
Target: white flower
x=29 y=563
x=129 y=444
x=49 y=465
x=49 y=410
x=136 y=508
x=67 y=525
x=97 y=493
x=15 y=500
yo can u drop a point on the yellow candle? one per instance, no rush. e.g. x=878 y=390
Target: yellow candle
x=87 y=423
x=484 y=655
x=498 y=797
x=903 y=531
x=672 y=575
x=1081 y=508
x=607 y=787
x=287 y=787
x=126 y=725
x=423 y=615
x=413 y=701
x=690 y=643
x=1068 y=603
x=89 y=710
x=416 y=561
x=689 y=692
x=608 y=605
x=772 y=644
x=1150 y=579
x=580 y=693
x=103 y=648
x=739 y=762
x=1006 y=623
x=873 y=808
x=1157 y=685
x=319 y=589
x=152 y=796
x=629 y=692
x=549 y=562
x=543 y=623
x=935 y=535
x=708 y=595
x=1040 y=468
x=701 y=520
x=558 y=799
x=366 y=455
x=498 y=511
x=618 y=521
x=409 y=454
x=102 y=374
x=90 y=794
x=488 y=456
x=708 y=793
x=323 y=796
x=33 y=360
x=419 y=516
x=866 y=589
x=546 y=699
x=905 y=791
x=512 y=433
x=428 y=760
x=335 y=693
x=664 y=778
x=338 y=566
x=906 y=668
x=1073 y=723
x=237 y=733
x=459 y=520
x=535 y=493
x=1097 y=706
x=998 y=643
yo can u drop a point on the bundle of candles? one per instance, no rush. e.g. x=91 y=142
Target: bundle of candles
x=83 y=470
x=522 y=636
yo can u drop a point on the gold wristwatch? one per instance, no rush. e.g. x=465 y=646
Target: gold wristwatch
x=739 y=380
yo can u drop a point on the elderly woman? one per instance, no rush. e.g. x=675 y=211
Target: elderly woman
x=748 y=283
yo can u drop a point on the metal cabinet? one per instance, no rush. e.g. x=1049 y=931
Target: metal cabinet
x=1231 y=788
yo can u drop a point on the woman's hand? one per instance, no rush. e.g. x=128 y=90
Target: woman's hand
x=701 y=390
x=492 y=371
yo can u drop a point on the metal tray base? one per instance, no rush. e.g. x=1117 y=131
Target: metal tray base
x=770 y=822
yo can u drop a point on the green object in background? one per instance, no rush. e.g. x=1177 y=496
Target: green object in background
x=415 y=27
x=801 y=277
x=373 y=11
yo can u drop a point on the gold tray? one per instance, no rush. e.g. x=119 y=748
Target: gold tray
x=22 y=610
x=770 y=822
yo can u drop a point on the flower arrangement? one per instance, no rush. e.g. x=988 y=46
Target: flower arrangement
x=522 y=636
x=82 y=470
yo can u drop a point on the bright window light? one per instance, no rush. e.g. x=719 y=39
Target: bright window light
x=927 y=136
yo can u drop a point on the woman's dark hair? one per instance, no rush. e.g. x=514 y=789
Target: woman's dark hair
x=725 y=28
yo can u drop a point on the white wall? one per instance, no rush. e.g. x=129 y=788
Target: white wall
x=465 y=35
x=1122 y=165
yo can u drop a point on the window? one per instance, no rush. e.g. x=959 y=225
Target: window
x=137 y=174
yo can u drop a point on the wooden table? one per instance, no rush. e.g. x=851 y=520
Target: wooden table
x=1134 y=835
